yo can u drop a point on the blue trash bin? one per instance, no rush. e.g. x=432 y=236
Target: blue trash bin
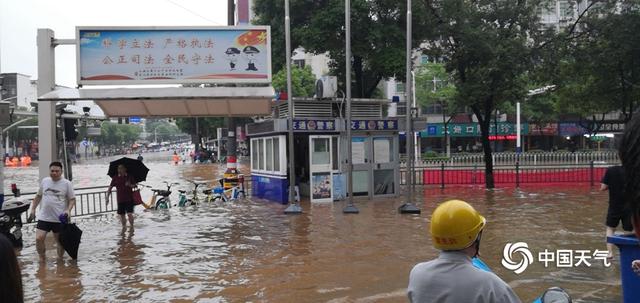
x=629 y=250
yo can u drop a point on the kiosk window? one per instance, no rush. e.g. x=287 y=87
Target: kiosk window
x=276 y=154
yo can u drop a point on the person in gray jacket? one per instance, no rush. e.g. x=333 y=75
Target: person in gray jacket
x=456 y=230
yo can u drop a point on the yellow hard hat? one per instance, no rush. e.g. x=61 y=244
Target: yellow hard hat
x=455 y=225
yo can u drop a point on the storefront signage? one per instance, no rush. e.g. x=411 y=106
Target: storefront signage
x=569 y=129
x=314 y=125
x=176 y=55
x=549 y=129
x=503 y=138
x=472 y=129
x=374 y=125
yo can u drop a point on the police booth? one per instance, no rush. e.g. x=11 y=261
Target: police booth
x=320 y=151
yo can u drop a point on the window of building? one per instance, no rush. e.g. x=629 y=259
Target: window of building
x=399 y=87
x=424 y=59
x=299 y=63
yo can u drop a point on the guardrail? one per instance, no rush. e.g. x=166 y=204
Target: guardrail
x=549 y=158
x=513 y=175
x=89 y=201
x=93 y=200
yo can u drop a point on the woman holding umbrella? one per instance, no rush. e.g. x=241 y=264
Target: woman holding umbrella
x=125 y=174
x=124 y=185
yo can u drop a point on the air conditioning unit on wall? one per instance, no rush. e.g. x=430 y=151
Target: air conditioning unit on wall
x=326 y=87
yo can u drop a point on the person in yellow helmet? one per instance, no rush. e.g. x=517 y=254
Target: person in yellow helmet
x=456 y=230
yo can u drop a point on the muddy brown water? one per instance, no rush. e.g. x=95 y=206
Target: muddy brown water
x=250 y=251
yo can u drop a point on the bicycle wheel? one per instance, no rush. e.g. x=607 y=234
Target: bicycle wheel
x=162 y=204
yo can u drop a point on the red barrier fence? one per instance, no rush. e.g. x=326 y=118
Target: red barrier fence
x=515 y=175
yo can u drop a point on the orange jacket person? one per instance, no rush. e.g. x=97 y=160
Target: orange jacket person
x=176 y=158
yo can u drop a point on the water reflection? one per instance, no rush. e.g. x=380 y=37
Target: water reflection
x=61 y=282
x=251 y=251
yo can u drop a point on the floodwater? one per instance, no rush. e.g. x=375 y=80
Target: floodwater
x=250 y=251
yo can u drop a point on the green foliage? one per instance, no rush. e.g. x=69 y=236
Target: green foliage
x=206 y=126
x=435 y=86
x=302 y=81
x=162 y=129
x=487 y=47
x=377 y=40
x=117 y=134
x=600 y=69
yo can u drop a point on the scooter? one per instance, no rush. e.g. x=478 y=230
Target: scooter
x=11 y=217
x=551 y=295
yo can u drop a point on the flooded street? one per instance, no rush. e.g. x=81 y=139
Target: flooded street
x=250 y=251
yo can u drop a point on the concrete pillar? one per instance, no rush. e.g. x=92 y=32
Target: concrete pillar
x=47 y=148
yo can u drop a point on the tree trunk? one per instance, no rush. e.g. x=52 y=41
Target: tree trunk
x=484 y=122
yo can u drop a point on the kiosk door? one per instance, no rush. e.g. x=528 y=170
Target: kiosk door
x=321 y=168
x=361 y=157
x=385 y=165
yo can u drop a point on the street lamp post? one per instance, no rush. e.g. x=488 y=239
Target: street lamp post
x=533 y=92
x=350 y=208
x=294 y=207
x=518 y=141
x=408 y=207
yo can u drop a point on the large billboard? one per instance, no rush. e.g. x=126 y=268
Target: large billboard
x=162 y=55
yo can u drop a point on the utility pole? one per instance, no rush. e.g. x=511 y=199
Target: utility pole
x=294 y=206
x=231 y=174
x=408 y=207
x=350 y=208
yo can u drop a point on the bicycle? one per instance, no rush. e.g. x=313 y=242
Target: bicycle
x=195 y=199
x=165 y=201
x=227 y=195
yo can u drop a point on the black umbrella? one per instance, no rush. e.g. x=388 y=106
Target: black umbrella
x=70 y=239
x=135 y=168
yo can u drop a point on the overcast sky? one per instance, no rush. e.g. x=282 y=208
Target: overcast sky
x=20 y=19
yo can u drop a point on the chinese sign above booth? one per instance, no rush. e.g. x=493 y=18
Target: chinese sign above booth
x=157 y=55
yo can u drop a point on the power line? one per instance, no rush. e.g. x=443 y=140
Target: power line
x=192 y=12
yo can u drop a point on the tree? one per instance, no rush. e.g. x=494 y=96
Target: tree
x=488 y=47
x=435 y=86
x=160 y=128
x=302 y=81
x=378 y=36
x=116 y=134
x=600 y=70
x=206 y=128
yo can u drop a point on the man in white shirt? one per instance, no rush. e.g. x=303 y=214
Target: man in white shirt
x=57 y=197
x=456 y=230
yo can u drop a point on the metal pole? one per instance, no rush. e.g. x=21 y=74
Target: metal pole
x=518 y=142
x=47 y=143
x=294 y=207
x=1 y=169
x=416 y=154
x=408 y=207
x=350 y=208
